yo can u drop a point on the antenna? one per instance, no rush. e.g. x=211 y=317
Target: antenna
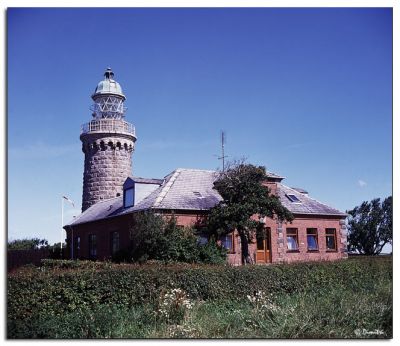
x=222 y=157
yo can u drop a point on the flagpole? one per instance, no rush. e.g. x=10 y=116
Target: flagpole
x=62 y=220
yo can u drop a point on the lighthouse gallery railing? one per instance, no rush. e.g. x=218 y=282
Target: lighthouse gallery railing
x=108 y=125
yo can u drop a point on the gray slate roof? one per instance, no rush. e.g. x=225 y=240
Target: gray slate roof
x=98 y=211
x=308 y=205
x=183 y=189
x=192 y=189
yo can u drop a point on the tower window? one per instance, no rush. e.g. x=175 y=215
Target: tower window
x=128 y=197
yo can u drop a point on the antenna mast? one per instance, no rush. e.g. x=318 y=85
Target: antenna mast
x=223 y=150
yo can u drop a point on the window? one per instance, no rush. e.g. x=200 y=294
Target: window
x=92 y=246
x=77 y=247
x=227 y=242
x=330 y=234
x=128 y=198
x=260 y=243
x=202 y=240
x=312 y=239
x=293 y=198
x=198 y=194
x=292 y=239
x=114 y=242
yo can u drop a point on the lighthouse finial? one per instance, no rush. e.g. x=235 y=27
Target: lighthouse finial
x=109 y=74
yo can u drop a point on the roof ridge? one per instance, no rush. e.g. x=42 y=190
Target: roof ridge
x=197 y=169
x=167 y=187
x=136 y=176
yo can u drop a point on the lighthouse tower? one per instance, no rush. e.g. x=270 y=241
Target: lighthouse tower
x=107 y=142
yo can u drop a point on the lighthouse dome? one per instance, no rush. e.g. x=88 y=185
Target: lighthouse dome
x=108 y=86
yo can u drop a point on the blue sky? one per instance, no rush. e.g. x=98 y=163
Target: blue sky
x=305 y=92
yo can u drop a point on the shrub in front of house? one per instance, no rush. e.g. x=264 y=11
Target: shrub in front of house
x=53 y=291
x=154 y=238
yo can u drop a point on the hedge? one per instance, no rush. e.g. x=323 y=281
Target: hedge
x=58 y=287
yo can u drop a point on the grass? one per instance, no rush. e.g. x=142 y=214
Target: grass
x=345 y=311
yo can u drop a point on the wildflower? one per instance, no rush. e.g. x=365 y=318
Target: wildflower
x=174 y=304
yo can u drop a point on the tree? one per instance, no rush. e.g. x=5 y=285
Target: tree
x=147 y=235
x=370 y=226
x=244 y=196
x=27 y=244
x=155 y=237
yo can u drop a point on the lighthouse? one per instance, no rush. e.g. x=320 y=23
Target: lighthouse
x=108 y=142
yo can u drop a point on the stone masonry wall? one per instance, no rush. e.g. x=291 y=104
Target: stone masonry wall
x=108 y=162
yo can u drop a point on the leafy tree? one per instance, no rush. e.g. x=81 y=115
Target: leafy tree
x=147 y=235
x=244 y=195
x=370 y=226
x=27 y=244
x=156 y=238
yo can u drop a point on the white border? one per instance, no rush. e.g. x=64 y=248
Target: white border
x=210 y=3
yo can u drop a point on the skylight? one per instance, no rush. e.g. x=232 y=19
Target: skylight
x=197 y=194
x=293 y=198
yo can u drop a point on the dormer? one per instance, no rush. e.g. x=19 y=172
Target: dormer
x=129 y=193
x=136 y=189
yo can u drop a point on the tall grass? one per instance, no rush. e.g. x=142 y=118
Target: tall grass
x=348 y=310
x=327 y=314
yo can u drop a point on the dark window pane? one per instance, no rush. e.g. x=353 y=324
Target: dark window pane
x=260 y=244
x=202 y=240
x=312 y=242
x=92 y=245
x=330 y=243
x=268 y=238
x=291 y=231
x=114 y=242
x=312 y=231
x=128 y=201
x=293 y=198
x=227 y=242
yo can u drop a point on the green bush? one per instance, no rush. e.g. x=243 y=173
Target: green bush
x=211 y=253
x=334 y=314
x=47 y=264
x=65 y=287
x=155 y=238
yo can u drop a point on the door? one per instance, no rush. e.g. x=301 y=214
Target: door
x=263 y=254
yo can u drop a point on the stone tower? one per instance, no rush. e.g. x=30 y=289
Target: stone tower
x=108 y=142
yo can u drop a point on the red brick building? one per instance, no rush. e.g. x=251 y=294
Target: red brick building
x=109 y=198
x=318 y=232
